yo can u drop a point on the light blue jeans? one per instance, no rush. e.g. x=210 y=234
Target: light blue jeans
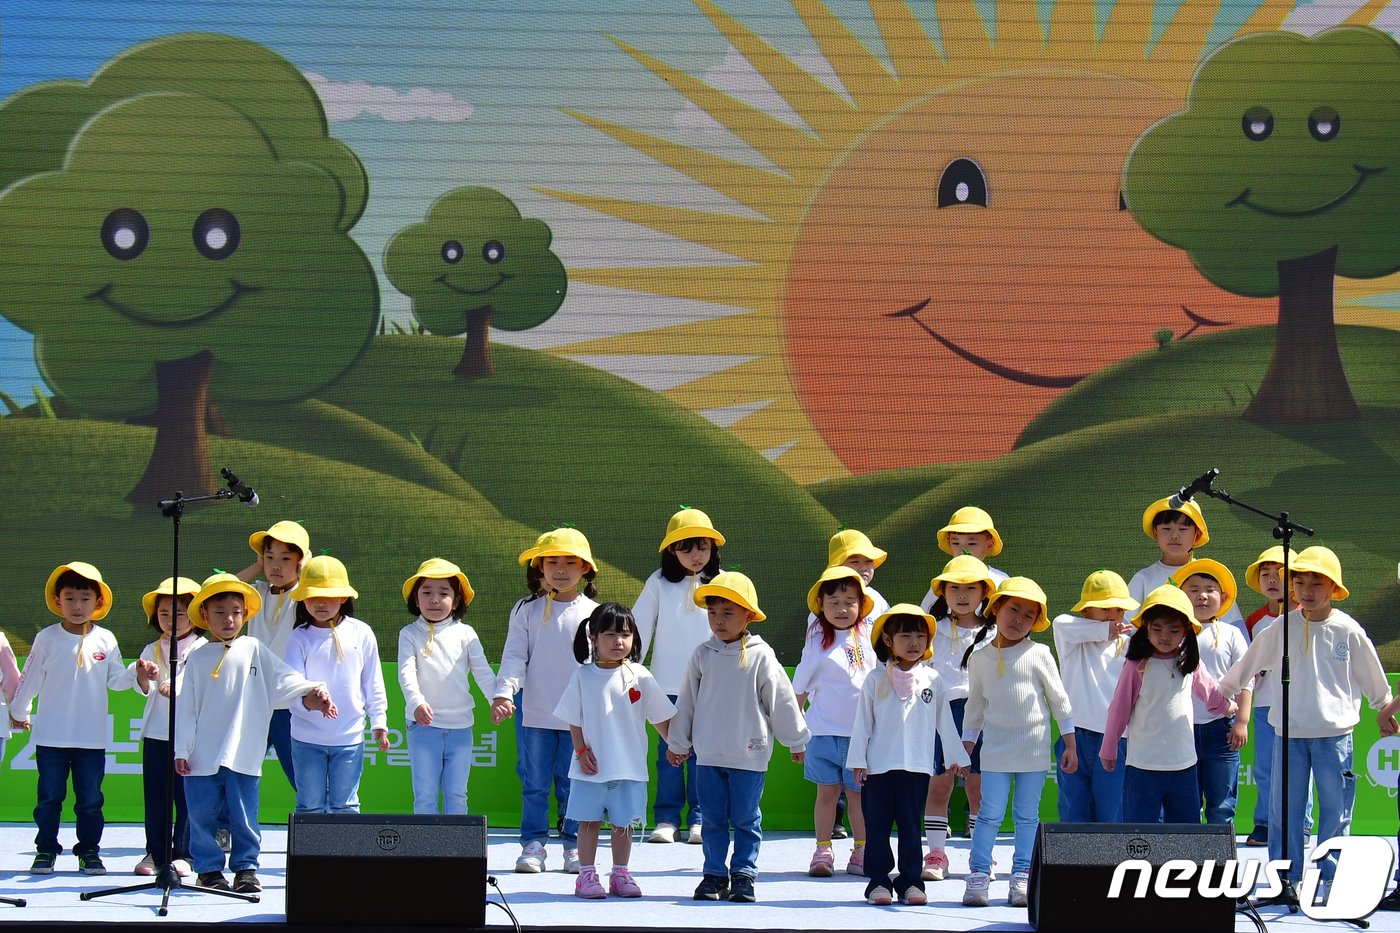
x=545 y=755
x=730 y=797
x=328 y=777
x=1327 y=761
x=1264 y=739
x=236 y=792
x=1025 y=816
x=441 y=761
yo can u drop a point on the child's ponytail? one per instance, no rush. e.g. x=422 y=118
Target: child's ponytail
x=583 y=645
x=589 y=588
x=988 y=624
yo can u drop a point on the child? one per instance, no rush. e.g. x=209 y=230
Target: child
x=671 y=626
x=329 y=645
x=959 y=593
x=1152 y=705
x=734 y=699
x=836 y=658
x=281 y=550
x=539 y=650
x=1177 y=533
x=1011 y=695
x=9 y=682
x=607 y=705
x=900 y=710
x=436 y=652
x=1265 y=577
x=1334 y=665
x=229 y=689
x=165 y=611
x=1211 y=588
x=969 y=531
x=70 y=668
x=1090 y=640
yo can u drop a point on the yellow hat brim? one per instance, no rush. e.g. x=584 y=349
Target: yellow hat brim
x=1190 y=509
x=286 y=532
x=814 y=598
x=731 y=594
x=1126 y=603
x=87 y=572
x=1042 y=621
x=966 y=529
x=905 y=609
x=691 y=531
x=1229 y=589
x=1168 y=597
x=183 y=585
x=468 y=594
x=252 y=601
x=1339 y=589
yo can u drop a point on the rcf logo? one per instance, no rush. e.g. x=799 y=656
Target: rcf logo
x=388 y=839
x=1138 y=848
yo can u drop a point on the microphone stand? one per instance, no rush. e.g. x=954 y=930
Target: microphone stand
x=166 y=878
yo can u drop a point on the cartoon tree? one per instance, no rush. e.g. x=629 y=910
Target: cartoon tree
x=176 y=233
x=1282 y=173
x=473 y=264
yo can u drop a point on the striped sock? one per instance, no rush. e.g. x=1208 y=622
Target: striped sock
x=936 y=832
x=971 y=823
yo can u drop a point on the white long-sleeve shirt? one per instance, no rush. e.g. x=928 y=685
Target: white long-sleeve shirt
x=274 y=621
x=155 y=721
x=9 y=682
x=221 y=722
x=832 y=677
x=896 y=734
x=950 y=643
x=435 y=659
x=612 y=707
x=1332 y=666
x=1090 y=659
x=72 y=696
x=539 y=656
x=346 y=659
x=1011 y=709
x=671 y=626
x=1221 y=647
x=1158 y=574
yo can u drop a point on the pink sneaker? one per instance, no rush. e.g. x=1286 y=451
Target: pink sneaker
x=588 y=886
x=621 y=883
x=823 y=863
x=856 y=866
x=935 y=866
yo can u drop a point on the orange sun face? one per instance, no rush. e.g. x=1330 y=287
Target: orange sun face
x=969 y=260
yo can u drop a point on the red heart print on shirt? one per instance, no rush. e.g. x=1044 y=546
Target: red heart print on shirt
x=634 y=694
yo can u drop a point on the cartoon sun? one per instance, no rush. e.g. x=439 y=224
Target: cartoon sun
x=940 y=251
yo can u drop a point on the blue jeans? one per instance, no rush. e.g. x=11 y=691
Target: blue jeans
x=894 y=800
x=279 y=737
x=239 y=794
x=330 y=777
x=731 y=798
x=1264 y=739
x=88 y=766
x=1217 y=770
x=675 y=785
x=1327 y=761
x=441 y=762
x=545 y=755
x=1161 y=796
x=1090 y=794
x=155 y=758
x=1025 y=816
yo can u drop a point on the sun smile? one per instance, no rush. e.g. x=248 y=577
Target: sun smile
x=1362 y=173
x=104 y=295
x=996 y=369
x=500 y=280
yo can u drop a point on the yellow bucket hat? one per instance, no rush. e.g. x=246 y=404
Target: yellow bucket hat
x=435 y=568
x=1316 y=559
x=1273 y=555
x=323 y=575
x=851 y=543
x=1229 y=590
x=223 y=583
x=87 y=572
x=968 y=520
x=286 y=532
x=735 y=587
x=1104 y=589
x=167 y=586
x=963 y=569
x=1021 y=588
x=814 y=599
x=563 y=542
x=904 y=609
x=1189 y=509
x=690 y=523
x=527 y=555
x=1172 y=598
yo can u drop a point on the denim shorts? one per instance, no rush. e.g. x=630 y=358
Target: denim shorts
x=620 y=802
x=825 y=761
x=957 y=706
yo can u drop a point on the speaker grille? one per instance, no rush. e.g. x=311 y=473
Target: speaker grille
x=1098 y=844
x=388 y=836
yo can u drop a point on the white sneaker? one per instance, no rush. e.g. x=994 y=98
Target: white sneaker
x=695 y=835
x=1020 y=882
x=978 y=885
x=531 y=861
x=571 y=864
x=664 y=832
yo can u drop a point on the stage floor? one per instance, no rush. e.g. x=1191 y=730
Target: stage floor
x=788 y=899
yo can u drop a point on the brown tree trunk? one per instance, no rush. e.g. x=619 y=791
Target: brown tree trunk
x=1305 y=382
x=476 y=358
x=180 y=458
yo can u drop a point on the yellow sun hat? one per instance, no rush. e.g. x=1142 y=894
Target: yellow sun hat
x=690 y=523
x=87 y=572
x=1104 y=589
x=564 y=542
x=1020 y=588
x=904 y=609
x=814 y=599
x=528 y=555
x=166 y=587
x=735 y=587
x=963 y=569
x=323 y=576
x=1318 y=559
x=1190 y=509
x=1169 y=596
x=849 y=543
x=435 y=568
x=968 y=520
x=1273 y=555
x=287 y=532
x=1229 y=589
x=223 y=583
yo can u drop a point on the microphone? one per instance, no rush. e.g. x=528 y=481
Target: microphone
x=243 y=491
x=1194 y=488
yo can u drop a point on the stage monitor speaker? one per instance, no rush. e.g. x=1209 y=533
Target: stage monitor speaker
x=1072 y=872
x=390 y=869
